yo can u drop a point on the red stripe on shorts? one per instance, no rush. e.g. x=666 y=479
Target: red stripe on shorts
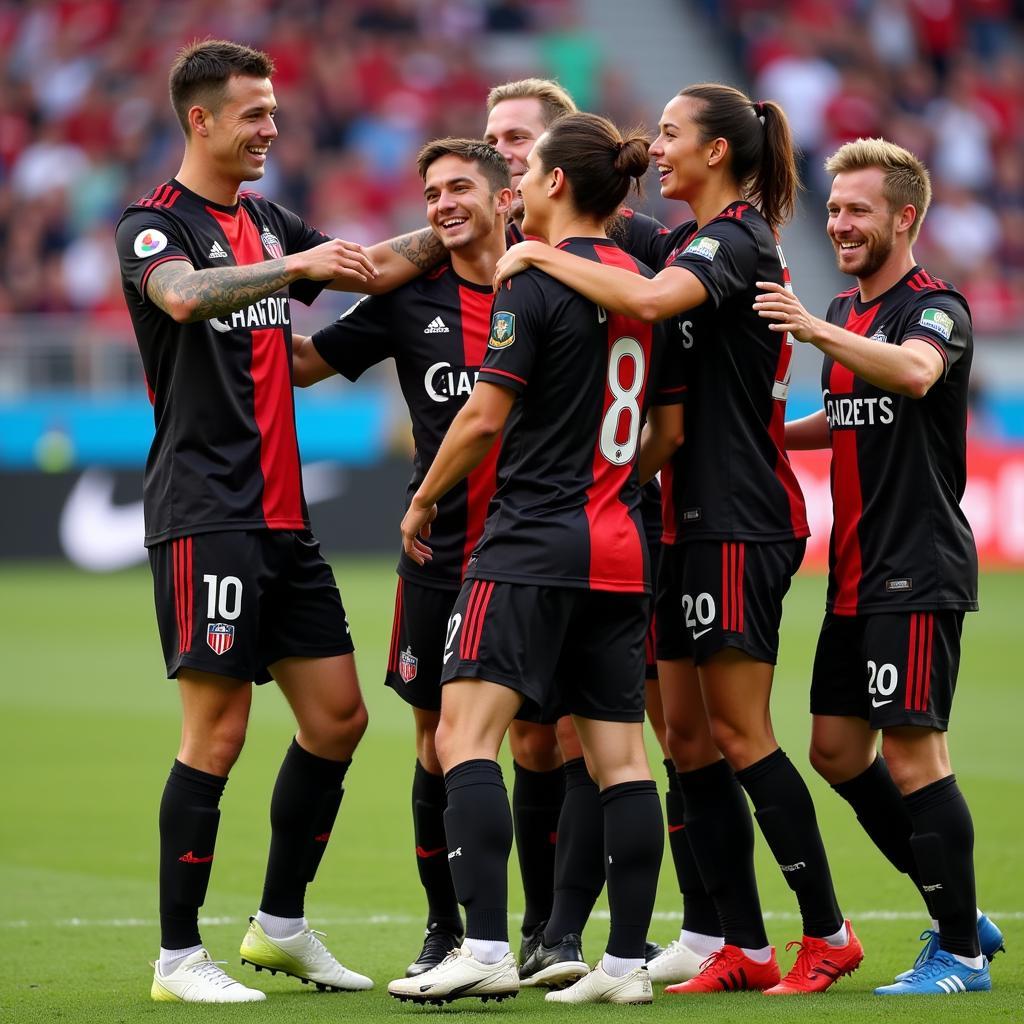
x=396 y=627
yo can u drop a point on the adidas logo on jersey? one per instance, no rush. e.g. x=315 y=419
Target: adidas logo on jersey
x=217 y=252
x=436 y=326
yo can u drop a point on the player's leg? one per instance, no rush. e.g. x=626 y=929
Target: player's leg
x=536 y=804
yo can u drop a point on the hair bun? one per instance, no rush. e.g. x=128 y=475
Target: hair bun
x=633 y=159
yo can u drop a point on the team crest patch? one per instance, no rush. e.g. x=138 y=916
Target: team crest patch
x=705 y=247
x=503 y=330
x=408 y=664
x=149 y=242
x=220 y=637
x=938 y=321
x=272 y=244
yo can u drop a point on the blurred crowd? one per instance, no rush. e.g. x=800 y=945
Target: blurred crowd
x=945 y=78
x=86 y=127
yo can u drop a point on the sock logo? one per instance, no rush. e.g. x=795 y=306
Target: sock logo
x=931 y=888
x=793 y=867
x=322 y=838
x=427 y=854
x=457 y=852
x=191 y=858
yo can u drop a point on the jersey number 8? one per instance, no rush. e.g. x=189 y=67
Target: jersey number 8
x=625 y=401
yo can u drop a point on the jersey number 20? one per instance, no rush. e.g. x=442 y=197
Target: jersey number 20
x=625 y=401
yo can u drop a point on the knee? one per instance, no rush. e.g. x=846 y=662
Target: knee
x=733 y=744
x=444 y=746
x=829 y=762
x=336 y=732
x=426 y=750
x=217 y=750
x=534 y=747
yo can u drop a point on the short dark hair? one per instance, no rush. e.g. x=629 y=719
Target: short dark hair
x=491 y=163
x=599 y=163
x=201 y=70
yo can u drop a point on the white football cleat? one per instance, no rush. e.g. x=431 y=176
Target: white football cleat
x=597 y=987
x=675 y=963
x=198 y=979
x=460 y=976
x=302 y=956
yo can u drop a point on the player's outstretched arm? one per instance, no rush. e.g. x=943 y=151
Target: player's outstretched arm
x=672 y=291
x=399 y=260
x=808 y=432
x=308 y=366
x=661 y=437
x=474 y=430
x=910 y=368
x=189 y=295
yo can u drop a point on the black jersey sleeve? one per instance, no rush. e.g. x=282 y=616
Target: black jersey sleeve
x=944 y=321
x=517 y=328
x=724 y=256
x=667 y=384
x=643 y=237
x=298 y=237
x=145 y=239
x=360 y=338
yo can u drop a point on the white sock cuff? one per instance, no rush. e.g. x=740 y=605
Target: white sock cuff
x=281 y=927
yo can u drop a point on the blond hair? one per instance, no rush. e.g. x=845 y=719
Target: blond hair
x=554 y=100
x=905 y=178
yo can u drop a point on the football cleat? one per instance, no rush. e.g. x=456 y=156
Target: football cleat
x=198 y=979
x=436 y=946
x=597 y=987
x=460 y=976
x=729 y=969
x=940 y=975
x=301 y=956
x=989 y=937
x=652 y=950
x=819 y=965
x=554 y=966
x=531 y=940
x=676 y=963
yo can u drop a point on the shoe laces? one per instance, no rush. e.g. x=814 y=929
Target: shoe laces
x=210 y=970
x=317 y=946
x=807 y=959
x=930 y=939
x=716 y=957
x=937 y=964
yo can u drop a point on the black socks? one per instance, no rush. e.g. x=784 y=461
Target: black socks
x=428 y=805
x=536 y=804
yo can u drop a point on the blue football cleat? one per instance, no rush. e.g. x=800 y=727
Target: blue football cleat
x=990 y=937
x=940 y=975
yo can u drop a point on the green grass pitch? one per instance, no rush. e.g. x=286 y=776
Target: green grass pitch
x=90 y=726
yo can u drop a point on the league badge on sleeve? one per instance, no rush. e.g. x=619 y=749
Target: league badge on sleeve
x=938 y=321
x=503 y=330
x=408 y=665
x=149 y=242
x=220 y=637
x=704 y=247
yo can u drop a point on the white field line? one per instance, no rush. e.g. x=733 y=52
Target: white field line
x=388 y=919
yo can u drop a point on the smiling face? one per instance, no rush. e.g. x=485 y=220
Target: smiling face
x=461 y=207
x=513 y=126
x=241 y=129
x=678 y=154
x=534 y=194
x=864 y=229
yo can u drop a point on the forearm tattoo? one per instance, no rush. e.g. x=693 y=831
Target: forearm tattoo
x=423 y=249
x=217 y=291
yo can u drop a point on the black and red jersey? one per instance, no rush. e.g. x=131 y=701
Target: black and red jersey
x=731 y=479
x=566 y=511
x=225 y=454
x=435 y=328
x=900 y=540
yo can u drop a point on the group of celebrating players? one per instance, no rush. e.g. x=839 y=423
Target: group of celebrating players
x=560 y=355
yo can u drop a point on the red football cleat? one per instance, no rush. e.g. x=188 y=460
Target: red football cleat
x=819 y=965
x=729 y=969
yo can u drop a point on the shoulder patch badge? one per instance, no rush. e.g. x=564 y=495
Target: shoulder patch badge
x=938 y=321
x=149 y=242
x=705 y=247
x=503 y=330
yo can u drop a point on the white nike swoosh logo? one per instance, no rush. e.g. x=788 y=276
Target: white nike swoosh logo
x=697 y=636
x=99 y=535
x=447 y=655
x=879 y=703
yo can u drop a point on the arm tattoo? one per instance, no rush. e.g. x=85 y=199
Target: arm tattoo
x=423 y=249
x=216 y=291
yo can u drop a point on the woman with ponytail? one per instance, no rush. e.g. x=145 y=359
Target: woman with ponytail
x=552 y=617
x=735 y=528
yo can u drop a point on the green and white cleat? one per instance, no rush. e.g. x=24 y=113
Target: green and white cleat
x=301 y=956
x=198 y=979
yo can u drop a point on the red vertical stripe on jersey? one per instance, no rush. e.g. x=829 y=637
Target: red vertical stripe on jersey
x=847 y=497
x=616 y=547
x=483 y=481
x=396 y=628
x=273 y=405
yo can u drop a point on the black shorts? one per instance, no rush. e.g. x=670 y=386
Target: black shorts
x=417 y=643
x=716 y=594
x=235 y=602
x=650 y=513
x=578 y=651
x=891 y=669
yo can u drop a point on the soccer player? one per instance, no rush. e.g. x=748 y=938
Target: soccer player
x=740 y=519
x=903 y=568
x=436 y=329
x=554 y=601
x=242 y=591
